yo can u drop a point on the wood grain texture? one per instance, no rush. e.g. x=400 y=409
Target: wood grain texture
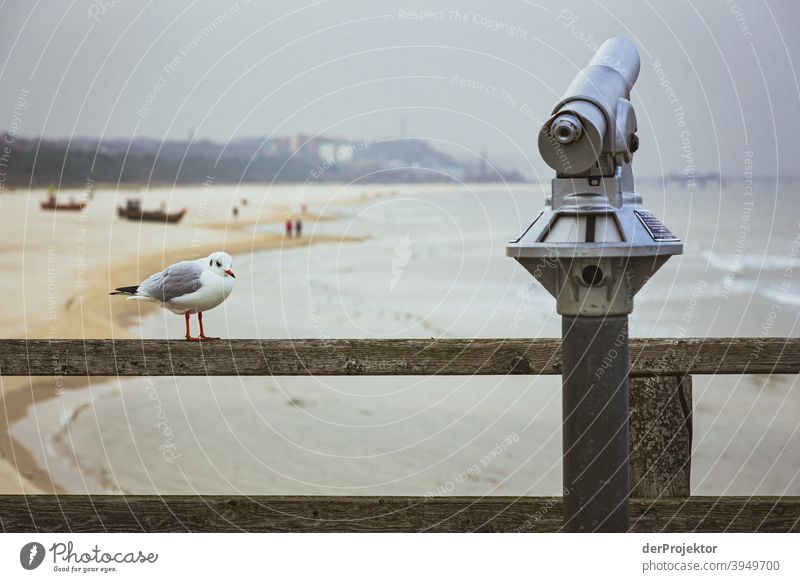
x=660 y=356
x=81 y=513
x=660 y=436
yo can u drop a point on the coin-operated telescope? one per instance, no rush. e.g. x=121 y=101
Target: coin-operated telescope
x=593 y=247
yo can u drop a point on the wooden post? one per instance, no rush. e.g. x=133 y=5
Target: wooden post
x=660 y=436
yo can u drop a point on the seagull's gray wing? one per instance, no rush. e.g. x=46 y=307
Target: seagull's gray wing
x=176 y=280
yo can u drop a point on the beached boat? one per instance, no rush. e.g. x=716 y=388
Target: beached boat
x=52 y=204
x=133 y=211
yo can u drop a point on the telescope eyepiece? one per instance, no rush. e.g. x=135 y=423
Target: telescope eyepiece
x=594 y=122
x=566 y=129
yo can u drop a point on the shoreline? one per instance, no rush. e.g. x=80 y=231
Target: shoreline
x=88 y=311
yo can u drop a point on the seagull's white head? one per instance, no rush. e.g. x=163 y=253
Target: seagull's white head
x=220 y=263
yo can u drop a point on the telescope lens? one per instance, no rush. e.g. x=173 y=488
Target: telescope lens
x=563 y=133
x=566 y=129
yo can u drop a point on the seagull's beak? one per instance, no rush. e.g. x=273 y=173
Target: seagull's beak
x=229 y=272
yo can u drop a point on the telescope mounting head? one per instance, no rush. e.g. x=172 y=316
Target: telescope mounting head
x=594 y=245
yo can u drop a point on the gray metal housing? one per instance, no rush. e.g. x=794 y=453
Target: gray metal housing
x=601 y=275
x=594 y=245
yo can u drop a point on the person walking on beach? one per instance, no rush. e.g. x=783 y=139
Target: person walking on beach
x=298 y=228
x=288 y=227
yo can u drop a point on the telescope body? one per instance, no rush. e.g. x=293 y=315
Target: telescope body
x=593 y=247
x=591 y=121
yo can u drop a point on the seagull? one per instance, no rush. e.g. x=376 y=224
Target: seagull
x=187 y=287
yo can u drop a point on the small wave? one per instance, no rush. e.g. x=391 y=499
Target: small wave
x=779 y=294
x=735 y=262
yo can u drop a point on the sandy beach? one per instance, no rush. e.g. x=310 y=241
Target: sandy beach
x=64 y=264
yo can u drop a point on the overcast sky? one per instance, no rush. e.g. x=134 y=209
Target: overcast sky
x=476 y=75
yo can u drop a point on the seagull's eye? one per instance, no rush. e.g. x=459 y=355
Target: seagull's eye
x=219 y=264
x=210 y=262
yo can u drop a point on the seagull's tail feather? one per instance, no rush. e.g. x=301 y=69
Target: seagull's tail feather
x=133 y=293
x=125 y=290
x=140 y=297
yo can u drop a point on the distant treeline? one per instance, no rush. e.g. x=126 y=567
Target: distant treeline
x=80 y=162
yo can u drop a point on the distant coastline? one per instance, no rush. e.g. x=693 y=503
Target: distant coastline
x=303 y=159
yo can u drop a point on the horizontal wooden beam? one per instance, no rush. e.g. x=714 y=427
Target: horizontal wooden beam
x=110 y=513
x=367 y=357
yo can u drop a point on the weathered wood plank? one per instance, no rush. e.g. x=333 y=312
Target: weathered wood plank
x=660 y=436
x=381 y=357
x=80 y=513
x=717 y=514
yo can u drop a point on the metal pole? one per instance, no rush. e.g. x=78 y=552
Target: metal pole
x=595 y=429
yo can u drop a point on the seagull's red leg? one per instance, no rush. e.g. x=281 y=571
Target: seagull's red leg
x=189 y=337
x=203 y=336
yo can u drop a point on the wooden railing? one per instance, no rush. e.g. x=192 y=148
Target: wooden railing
x=660 y=422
